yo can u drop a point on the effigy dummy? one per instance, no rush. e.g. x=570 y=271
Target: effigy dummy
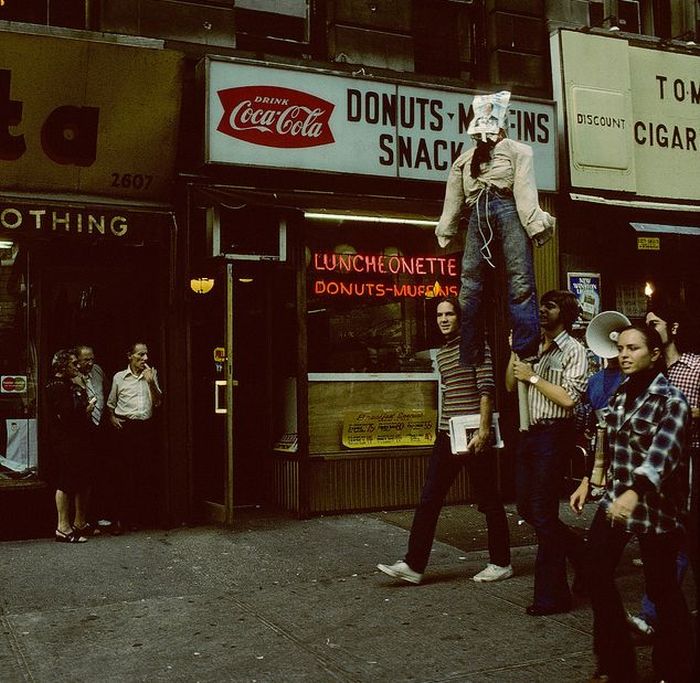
x=495 y=179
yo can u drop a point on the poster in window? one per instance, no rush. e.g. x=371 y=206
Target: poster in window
x=586 y=287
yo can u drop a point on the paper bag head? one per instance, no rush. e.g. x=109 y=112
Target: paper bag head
x=490 y=115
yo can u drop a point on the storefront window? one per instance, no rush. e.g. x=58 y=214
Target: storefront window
x=370 y=288
x=18 y=369
x=371 y=294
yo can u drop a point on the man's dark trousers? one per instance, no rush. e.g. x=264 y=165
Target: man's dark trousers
x=135 y=454
x=543 y=453
x=442 y=471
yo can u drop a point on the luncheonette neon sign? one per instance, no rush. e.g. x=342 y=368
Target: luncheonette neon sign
x=392 y=267
x=386 y=265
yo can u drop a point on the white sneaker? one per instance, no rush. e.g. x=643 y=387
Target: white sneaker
x=493 y=572
x=638 y=624
x=400 y=570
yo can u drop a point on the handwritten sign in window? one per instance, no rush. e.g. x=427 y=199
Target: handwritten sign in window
x=382 y=428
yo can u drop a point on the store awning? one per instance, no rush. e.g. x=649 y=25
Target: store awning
x=86 y=201
x=398 y=208
x=691 y=207
x=666 y=229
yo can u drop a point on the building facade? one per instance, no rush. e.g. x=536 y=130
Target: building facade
x=252 y=186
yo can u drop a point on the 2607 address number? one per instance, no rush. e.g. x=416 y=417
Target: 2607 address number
x=132 y=181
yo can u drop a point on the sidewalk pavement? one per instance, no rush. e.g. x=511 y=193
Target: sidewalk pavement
x=280 y=600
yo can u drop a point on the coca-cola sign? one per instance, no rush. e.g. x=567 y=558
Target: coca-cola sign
x=275 y=116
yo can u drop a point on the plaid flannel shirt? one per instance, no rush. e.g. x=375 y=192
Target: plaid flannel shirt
x=684 y=374
x=647 y=441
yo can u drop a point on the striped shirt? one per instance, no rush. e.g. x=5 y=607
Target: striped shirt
x=684 y=374
x=95 y=384
x=564 y=364
x=647 y=441
x=462 y=387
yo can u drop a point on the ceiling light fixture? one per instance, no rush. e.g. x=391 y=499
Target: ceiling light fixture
x=317 y=215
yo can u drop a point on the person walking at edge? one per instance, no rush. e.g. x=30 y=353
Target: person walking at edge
x=465 y=390
x=646 y=496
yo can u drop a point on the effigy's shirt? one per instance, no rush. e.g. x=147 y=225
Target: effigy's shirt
x=510 y=168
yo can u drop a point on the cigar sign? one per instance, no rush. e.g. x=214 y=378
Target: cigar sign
x=631 y=115
x=290 y=118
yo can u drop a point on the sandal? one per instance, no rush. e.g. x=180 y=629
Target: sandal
x=71 y=537
x=87 y=530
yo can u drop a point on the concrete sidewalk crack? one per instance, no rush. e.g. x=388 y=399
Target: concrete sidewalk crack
x=337 y=672
x=18 y=654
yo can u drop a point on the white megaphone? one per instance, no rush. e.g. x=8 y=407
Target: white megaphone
x=603 y=331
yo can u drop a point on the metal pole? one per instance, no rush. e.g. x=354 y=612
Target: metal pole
x=229 y=394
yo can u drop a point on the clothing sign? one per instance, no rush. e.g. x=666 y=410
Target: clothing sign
x=87 y=117
x=297 y=119
x=631 y=114
x=81 y=223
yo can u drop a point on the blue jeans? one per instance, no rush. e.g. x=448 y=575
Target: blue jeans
x=502 y=217
x=672 y=645
x=539 y=475
x=442 y=471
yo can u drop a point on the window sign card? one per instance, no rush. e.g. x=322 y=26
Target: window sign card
x=382 y=428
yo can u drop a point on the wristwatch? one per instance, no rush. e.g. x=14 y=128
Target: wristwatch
x=534 y=379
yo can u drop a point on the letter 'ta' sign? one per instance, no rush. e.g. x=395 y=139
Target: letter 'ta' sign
x=68 y=134
x=275 y=117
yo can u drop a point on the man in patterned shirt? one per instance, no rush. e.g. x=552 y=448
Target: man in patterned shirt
x=555 y=383
x=464 y=391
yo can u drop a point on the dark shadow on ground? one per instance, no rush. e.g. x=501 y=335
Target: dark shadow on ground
x=464 y=527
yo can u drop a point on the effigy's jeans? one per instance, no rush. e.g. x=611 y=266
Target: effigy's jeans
x=496 y=217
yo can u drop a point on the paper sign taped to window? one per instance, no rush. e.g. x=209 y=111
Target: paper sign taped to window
x=382 y=428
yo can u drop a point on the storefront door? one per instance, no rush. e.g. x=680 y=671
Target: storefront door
x=231 y=330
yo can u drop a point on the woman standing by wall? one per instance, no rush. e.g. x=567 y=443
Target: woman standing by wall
x=645 y=497
x=70 y=443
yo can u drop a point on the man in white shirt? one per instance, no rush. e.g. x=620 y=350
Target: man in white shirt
x=135 y=393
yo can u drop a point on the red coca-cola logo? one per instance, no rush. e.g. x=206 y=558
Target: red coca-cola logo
x=275 y=117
